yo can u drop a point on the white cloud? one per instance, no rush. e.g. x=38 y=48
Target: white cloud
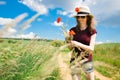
x=35 y=5
x=11 y=31
x=42 y=6
x=67 y=5
x=99 y=42
x=62 y=12
x=8 y=23
x=72 y=14
x=2 y=2
x=28 y=26
x=102 y=9
x=8 y=32
x=20 y=17
x=29 y=21
x=98 y=7
x=4 y=21
x=39 y=19
x=57 y=24
x=65 y=13
x=12 y=22
x=30 y=35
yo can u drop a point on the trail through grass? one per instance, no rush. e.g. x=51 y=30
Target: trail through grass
x=42 y=60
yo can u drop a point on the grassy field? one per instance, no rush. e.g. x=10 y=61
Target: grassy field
x=107 y=59
x=41 y=60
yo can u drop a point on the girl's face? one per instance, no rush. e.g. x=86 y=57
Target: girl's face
x=82 y=19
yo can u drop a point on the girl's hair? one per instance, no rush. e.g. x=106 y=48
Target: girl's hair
x=90 y=23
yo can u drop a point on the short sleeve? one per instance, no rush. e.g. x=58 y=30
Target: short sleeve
x=93 y=31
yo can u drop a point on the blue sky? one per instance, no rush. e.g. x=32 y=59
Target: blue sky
x=26 y=18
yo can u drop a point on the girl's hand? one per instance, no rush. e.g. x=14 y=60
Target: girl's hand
x=75 y=43
x=67 y=39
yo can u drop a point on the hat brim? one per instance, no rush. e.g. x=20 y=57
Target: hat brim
x=80 y=15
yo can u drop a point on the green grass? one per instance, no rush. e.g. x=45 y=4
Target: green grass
x=21 y=59
x=54 y=75
x=37 y=59
x=109 y=54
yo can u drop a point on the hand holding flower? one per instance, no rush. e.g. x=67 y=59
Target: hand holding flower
x=70 y=36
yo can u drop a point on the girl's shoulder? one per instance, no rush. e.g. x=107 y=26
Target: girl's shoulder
x=93 y=31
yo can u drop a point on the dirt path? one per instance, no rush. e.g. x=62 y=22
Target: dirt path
x=65 y=71
x=100 y=76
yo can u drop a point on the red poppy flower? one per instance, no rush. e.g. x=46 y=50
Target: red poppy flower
x=77 y=9
x=71 y=33
x=58 y=20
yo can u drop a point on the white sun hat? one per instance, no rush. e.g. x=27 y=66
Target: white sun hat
x=83 y=11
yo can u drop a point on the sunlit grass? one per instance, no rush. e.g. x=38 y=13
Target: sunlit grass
x=39 y=60
x=109 y=54
x=21 y=61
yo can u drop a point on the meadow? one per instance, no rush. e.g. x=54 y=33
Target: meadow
x=24 y=59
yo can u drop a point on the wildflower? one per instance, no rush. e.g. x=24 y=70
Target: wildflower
x=62 y=27
x=68 y=35
x=77 y=9
x=58 y=20
x=71 y=33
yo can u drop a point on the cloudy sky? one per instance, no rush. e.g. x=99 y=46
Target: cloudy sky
x=27 y=18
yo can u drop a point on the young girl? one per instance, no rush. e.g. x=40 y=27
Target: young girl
x=82 y=44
